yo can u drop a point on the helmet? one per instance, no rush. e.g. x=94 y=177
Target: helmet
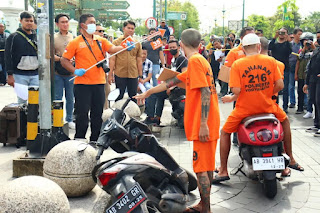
x=307 y=36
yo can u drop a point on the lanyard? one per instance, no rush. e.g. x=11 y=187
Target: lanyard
x=84 y=38
x=28 y=39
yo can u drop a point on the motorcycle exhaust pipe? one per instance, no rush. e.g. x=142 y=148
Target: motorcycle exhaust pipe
x=168 y=206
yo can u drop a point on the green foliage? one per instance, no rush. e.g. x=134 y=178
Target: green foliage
x=289 y=19
x=260 y=22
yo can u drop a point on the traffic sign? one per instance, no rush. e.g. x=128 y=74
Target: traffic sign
x=151 y=23
x=62 y=4
x=71 y=13
x=102 y=4
x=104 y=14
x=171 y=30
x=177 y=16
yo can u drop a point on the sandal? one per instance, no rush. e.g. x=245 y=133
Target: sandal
x=191 y=210
x=296 y=167
x=218 y=179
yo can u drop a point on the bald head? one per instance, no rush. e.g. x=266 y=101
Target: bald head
x=191 y=38
x=264 y=45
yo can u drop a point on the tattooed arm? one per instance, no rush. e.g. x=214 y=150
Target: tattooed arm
x=205 y=108
x=161 y=87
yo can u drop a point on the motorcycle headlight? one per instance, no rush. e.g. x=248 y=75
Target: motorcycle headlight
x=264 y=135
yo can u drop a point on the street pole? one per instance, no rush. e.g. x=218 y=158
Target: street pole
x=215 y=26
x=26 y=5
x=160 y=10
x=154 y=8
x=223 y=11
x=166 y=10
x=243 y=13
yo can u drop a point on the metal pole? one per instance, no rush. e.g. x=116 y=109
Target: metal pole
x=154 y=8
x=223 y=11
x=160 y=10
x=26 y=5
x=243 y=14
x=44 y=56
x=215 y=26
x=166 y=10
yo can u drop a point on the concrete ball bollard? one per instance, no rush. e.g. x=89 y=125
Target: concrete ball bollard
x=71 y=168
x=33 y=194
x=132 y=109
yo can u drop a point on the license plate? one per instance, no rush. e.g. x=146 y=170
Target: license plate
x=270 y=163
x=129 y=201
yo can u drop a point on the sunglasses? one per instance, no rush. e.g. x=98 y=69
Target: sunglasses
x=292 y=37
x=100 y=31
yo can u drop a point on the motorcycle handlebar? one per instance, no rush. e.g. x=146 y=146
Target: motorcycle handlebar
x=125 y=104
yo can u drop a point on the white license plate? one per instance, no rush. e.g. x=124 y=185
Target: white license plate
x=268 y=163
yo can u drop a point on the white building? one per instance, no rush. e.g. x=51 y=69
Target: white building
x=11 y=10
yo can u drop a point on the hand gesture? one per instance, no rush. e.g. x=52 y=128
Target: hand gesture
x=204 y=132
x=142 y=96
x=276 y=35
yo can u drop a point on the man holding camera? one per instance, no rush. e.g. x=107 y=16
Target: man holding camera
x=281 y=50
x=88 y=49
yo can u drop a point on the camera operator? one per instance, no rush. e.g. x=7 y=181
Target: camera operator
x=88 y=49
x=229 y=42
x=281 y=50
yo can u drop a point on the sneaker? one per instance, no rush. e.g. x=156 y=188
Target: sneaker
x=312 y=129
x=292 y=106
x=148 y=120
x=308 y=115
x=93 y=144
x=299 y=111
x=317 y=134
x=71 y=125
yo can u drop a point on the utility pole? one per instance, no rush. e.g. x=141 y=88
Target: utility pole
x=223 y=11
x=160 y=10
x=215 y=26
x=154 y=8
x=166 y=10
x=26 y=5
x=243 y=13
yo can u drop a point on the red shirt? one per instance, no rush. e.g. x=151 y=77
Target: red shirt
x=169 y=55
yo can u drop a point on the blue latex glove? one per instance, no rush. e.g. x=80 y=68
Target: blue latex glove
x=129 y=44
x=80 y=72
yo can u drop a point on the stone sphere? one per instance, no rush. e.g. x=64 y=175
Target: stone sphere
x=33 y=194
x=132 y=108
x=71 y=167
x=106 y=114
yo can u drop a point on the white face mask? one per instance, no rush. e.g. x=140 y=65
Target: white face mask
x=91 y=28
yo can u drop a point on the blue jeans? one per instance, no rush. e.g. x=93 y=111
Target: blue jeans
x=155 y=72
x=285 y=96
x=28 y=80
x=60 y=83
x=292 y=88
x=147 y=85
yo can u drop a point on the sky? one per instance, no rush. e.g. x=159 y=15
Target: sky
x=211 y=9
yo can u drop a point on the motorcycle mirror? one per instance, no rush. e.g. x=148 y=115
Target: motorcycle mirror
x=82 y=147
x=113 y=95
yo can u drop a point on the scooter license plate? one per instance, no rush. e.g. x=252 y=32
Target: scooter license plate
x=268 y=163
x=129 y=201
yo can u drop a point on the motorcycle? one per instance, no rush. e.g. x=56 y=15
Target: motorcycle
x=177 y=99
x=260 y=139
x=145 y=177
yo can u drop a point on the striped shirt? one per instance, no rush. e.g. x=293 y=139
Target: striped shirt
x=146 y=68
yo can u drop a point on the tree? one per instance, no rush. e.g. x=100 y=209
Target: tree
x=286 y=16
x=260 y=22
x=311 y=23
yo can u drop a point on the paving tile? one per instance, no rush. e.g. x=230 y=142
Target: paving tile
x=307 y=210
x=230 y=205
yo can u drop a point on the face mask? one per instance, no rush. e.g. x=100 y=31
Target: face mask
x=173 y=52
x=91 y=28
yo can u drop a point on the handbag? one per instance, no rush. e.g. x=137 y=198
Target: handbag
x=60 y=69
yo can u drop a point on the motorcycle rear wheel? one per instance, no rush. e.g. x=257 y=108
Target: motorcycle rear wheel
x=270 y=188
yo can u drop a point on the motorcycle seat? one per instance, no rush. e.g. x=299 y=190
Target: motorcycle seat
x=259 y=117
x=180 y=198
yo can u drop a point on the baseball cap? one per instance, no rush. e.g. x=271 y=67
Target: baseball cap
x=250 y=39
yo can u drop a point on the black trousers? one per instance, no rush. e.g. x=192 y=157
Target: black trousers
x=88 y=98
x=131 y=84
x=314 y=89
x=301 y=94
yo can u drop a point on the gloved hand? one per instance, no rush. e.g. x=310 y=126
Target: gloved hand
x=80 y=72
x=129 y=43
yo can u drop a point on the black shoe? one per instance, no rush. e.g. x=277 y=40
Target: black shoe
x=286 y=111
x=156 y=121
x=148 y=120
x=312 y=129
x=299 y=111
x=292 y=106
x=93 y=144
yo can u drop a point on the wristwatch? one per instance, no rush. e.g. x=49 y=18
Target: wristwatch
x=140 y=76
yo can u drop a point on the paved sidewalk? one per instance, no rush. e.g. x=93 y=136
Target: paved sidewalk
x=298 y=193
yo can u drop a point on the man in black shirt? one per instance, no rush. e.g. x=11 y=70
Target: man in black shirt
x=180 y=62
x=281 y=51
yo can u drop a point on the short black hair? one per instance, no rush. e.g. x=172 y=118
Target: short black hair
x=259 y=30
x=244 y=31
x=234 y=35
x=152 y=29
x=56 y=19
x=285 y=29
x=174 y=41
x=26 y=14
x=296 y=30
x=129 y=22
x=84 y=17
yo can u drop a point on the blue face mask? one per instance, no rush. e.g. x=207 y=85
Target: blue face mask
x=91 y=28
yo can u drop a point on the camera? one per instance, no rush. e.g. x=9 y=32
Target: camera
x=309 y=43
x=104 y=66
x=282 y=33
x=229 y=39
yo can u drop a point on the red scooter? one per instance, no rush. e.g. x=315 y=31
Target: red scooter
x=260 y=139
